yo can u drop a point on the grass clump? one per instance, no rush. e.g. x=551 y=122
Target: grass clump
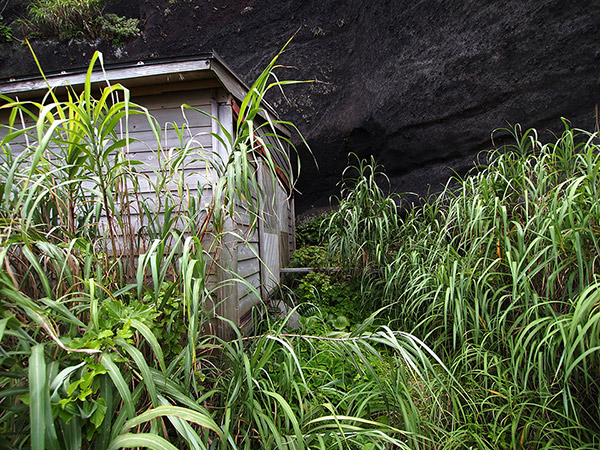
x=78 y=19
x=361 y=230
x=117 y=29
x=499 y=276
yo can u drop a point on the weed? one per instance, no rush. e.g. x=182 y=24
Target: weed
x=310 y=256
x=103 y=344
x=78 y=19
x=5 y=31
x=116 y=29
x=361 y=230
x=499 y=275
x=310 y=233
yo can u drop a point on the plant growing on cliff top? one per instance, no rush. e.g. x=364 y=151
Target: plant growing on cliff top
x=80 y=19
x=5 y=31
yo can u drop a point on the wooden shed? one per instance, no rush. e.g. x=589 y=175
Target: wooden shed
x=206 y=83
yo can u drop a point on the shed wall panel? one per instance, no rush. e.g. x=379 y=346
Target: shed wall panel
x=244 y=251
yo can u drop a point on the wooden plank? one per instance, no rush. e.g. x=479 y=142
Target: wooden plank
x=249 y=299
x=248 y=267
x=170 y=197
x=139 y=122
x=310 y=269
x=246 y=303
x=270 y=256
x=189 y=85
x=150 y=163
x=138 y=223
x=199 y=134
x=279 y=151
x=284 y=249
x=145 y=184
x=242 y=220
x=247 y=251
x=199 y=98
x=253 y=280
x=229 y=80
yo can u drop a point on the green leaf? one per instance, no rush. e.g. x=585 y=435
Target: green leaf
x=152 y=341
x=184 y=429
x=37 y=397
x=145 y=440
x=99 y=413
x=147 y=377
x=119 y=382
x=289 y=414
x=203 y=420
x=341 y=322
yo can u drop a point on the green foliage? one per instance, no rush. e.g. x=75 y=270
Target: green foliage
x=5 y=31
x=497 y=280
x=310 y=256
x=283 y=391
x=500 y=276
x=64 y=19
x=102 y=324
x=337 y=300
x=97 y=355
x=361 y=231
x=79 y=19
x=311 y=233
x=117 y=30
x=170 y=326
x=334 y=297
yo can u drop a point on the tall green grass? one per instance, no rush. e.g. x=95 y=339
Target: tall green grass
x=362 y=229
x=80 y=324
x=80 y=328
x=105 y=325
x=499 y=275
x=491 y=287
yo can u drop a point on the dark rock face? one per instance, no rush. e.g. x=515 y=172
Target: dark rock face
x=419 y=84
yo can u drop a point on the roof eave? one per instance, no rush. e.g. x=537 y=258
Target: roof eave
x=138 y=74
x=145 y=74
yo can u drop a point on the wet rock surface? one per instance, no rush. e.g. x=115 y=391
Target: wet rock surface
x=418 y=84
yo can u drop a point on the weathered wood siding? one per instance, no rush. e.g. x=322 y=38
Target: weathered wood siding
x=254 y=251
x=166 y=109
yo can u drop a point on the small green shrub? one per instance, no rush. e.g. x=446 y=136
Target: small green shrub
x=336 y=301
x=310 y=256
x=79 y=19
x=116 y=29
x=64 y=19
x=334 y=297
x=5 y=31
x=311 y=233
x=170 y=328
